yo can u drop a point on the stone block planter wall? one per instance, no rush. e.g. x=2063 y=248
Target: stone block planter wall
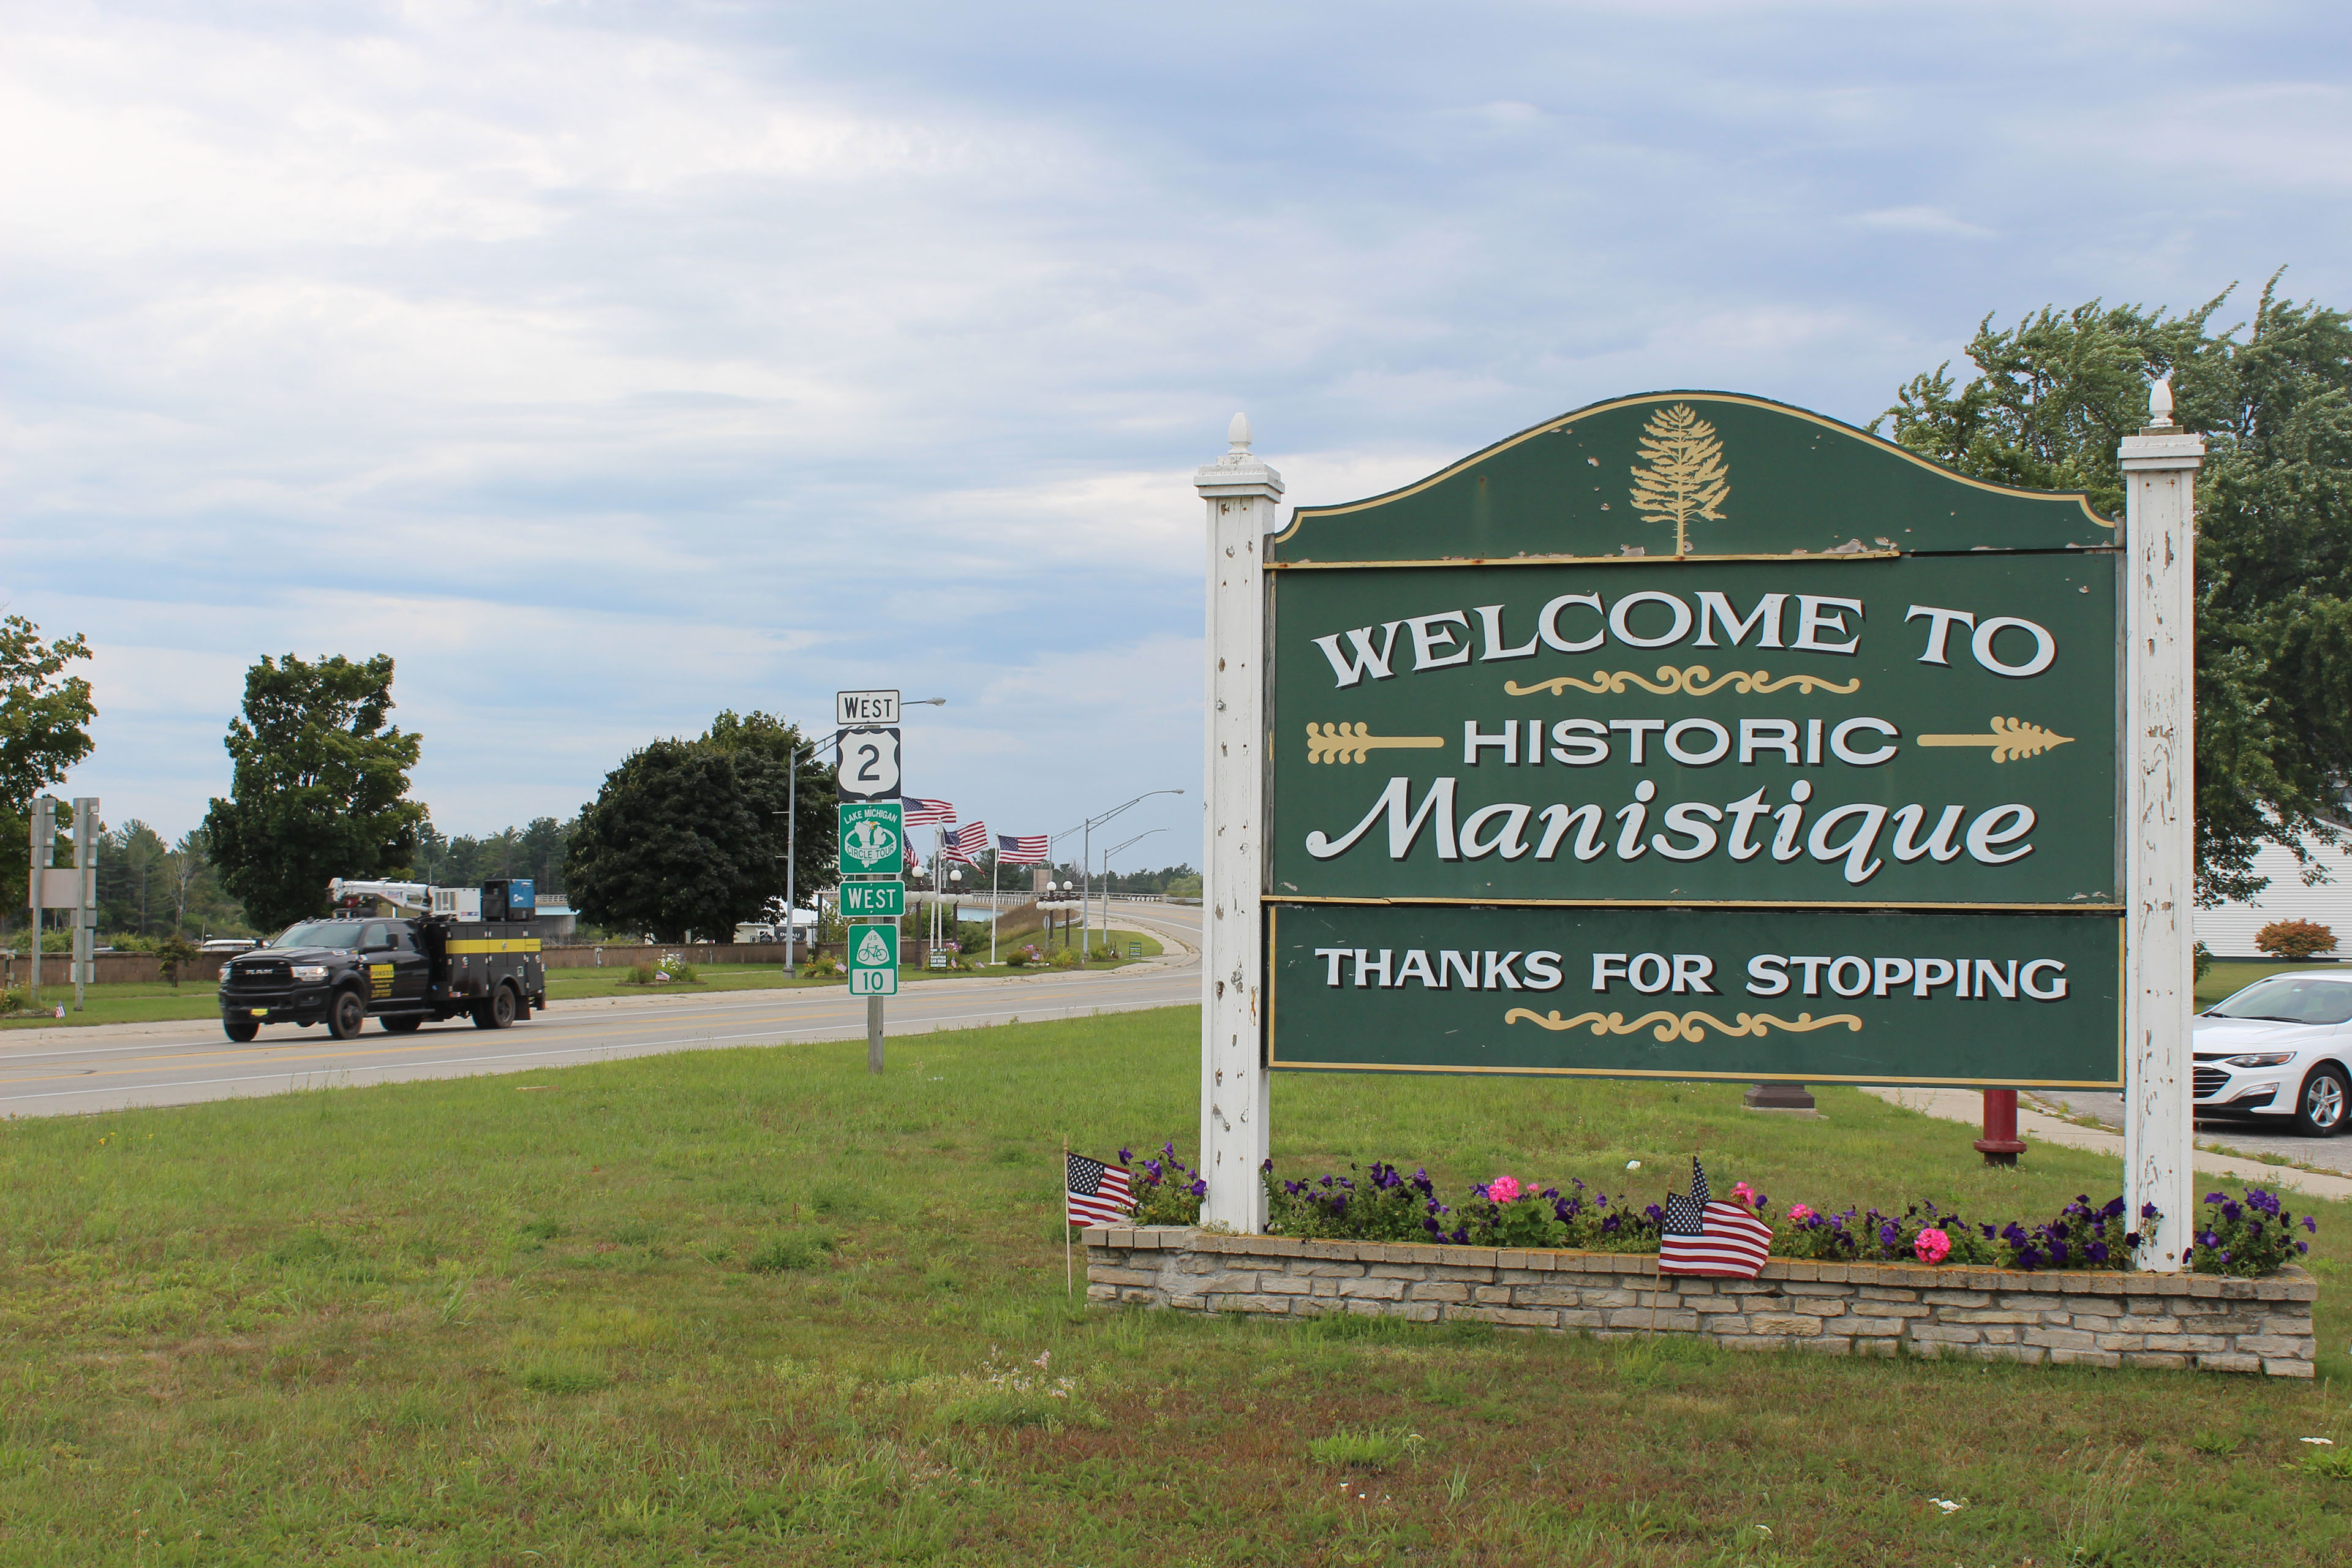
x=1852 y=1309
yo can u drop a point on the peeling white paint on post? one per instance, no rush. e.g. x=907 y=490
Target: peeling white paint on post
x=1242 y=494
x=2160 y=467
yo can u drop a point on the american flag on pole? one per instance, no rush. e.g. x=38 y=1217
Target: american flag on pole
x=1724 y=1240
x=921 y=813
x=966 y=843
x=1099 y=1193
x=1029 y=850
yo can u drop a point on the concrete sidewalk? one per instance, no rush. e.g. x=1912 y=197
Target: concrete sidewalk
x=1967 y=1106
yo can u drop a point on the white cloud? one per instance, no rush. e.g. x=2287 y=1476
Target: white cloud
x=609 y=367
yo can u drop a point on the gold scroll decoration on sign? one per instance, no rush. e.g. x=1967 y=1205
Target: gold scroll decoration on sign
x=1681 y=474
x=2010 y=739
x=1353 y=743
x=1691 y=1026
x=1693 y=681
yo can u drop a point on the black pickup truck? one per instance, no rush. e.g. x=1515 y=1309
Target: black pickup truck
x=342 y=970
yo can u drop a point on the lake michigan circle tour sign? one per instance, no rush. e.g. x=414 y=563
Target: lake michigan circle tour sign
x=1698 y=736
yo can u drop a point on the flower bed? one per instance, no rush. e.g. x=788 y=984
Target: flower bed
x=2246 y=1237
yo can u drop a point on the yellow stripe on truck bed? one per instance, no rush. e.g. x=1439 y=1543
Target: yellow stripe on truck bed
x=496 y=944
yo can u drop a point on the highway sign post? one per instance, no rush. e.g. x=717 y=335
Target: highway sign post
x=868 y=769
x=873 y=901
x=873 y=961
x=1693 y=735
x=873 y=838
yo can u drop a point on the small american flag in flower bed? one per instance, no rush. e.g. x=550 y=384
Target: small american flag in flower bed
x=1099 y=1193
x=1713 y=1239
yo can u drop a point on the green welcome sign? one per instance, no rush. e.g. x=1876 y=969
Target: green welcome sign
x=1682 y=675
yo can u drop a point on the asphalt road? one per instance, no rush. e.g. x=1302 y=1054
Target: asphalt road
x=2250 y=1135
x=56 y=1072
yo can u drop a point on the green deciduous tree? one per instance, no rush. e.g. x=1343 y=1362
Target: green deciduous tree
x=44 y=717
x=2052 y=398
x=319 y=789
x=687 y=835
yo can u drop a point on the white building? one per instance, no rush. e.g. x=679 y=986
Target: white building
x=2228 y=930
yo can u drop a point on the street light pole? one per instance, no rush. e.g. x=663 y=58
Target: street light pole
x=1107 y=855
x=1086 y=851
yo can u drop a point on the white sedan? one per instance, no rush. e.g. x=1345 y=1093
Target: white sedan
x=2281 y=1047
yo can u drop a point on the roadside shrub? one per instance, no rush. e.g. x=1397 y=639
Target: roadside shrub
x=823 y=966
x=175 y=953
x=640 y=974
x=16 y=999
x=2294 y=941
x=1065 y=958
x=1024 y=955
x=2251 y=1236
x=673 y=966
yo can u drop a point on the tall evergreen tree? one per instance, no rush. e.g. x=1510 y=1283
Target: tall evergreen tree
x=2052 y=398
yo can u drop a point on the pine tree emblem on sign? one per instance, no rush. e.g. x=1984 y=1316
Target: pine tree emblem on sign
x=1682 y=472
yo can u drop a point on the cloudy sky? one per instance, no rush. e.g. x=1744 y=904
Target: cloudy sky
x=612 y=364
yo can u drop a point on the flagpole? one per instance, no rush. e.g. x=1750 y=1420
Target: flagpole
x=994 y=912
x=1069 y=1269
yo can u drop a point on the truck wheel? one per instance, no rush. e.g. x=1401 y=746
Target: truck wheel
x=407 y=1026
x=498 y=1011
x=240 y=1029
x=346 y=1015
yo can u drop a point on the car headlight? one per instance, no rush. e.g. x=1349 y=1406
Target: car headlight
x=319 y=971
x=2259 y=1059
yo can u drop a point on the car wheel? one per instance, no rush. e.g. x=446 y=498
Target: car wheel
x=240 y=1029
x=407 y=1026
x=2319 y=1109
x=346 y=1015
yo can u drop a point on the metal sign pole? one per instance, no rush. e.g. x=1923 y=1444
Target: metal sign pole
x=85 y=928
x=2159 y=593
x=42 y=846
x=1241 y=493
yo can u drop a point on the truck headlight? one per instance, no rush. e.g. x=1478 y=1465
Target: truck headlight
x=319 y=971
x=2261 y=1059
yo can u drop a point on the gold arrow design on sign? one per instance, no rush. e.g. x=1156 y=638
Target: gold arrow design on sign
x=1697 y=681
x=2011 y=739
x=1344 y=743
x=1691 y=1026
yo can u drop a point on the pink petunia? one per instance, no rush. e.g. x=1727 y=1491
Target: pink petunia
x=1932 y=1247
x=1800 y=1213
x=1744 y=1192
x=1503 y=1189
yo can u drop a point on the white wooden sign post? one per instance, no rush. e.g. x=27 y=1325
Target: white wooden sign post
x=2158 y=824
x=1242 y=494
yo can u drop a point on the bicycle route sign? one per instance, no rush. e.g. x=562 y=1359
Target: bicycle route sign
x=873 y=961
x=1697 y=735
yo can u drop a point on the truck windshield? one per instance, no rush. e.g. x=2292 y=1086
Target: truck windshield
x=2290 y=1000
x=319 y=933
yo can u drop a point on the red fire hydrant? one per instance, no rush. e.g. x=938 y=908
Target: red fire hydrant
x=2000 y=1144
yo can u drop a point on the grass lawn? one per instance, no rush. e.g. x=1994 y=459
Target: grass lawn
x=159 y=1001
x=758 y=1307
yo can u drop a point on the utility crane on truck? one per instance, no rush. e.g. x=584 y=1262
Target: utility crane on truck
x=473 y=952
